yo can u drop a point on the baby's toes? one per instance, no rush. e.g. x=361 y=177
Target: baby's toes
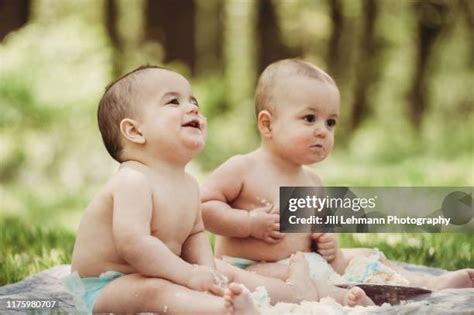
x=228 y=296
x=228 y=302
x=235 y=289
x=354 y=295
x=351 y=299
x=357 y=292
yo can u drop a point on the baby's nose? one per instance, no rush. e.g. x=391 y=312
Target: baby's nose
x=193 y=109
x=320 y=130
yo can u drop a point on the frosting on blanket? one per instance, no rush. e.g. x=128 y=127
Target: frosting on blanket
x=370 y=270
x=328 y=305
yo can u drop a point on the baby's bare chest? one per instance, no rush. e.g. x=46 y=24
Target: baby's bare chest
x=263 y=190
x=174 y=214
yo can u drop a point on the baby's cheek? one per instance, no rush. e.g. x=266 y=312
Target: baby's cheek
x=303 y=139
x=330 y=143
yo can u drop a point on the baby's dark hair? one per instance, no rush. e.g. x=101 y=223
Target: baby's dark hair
x=117 y=104
x=280 y=69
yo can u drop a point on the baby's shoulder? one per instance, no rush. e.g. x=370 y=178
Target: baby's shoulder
x=239 y=163
x=130 y=176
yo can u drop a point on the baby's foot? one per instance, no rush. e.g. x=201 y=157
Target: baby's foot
x=237 y=300
x=300 y=280
x=356 y=296
x=455 y=279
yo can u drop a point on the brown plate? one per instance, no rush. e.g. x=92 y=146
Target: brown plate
x=393 y=294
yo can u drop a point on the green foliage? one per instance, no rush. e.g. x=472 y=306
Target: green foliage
x=49 y=207
x=344 y=168
x=227 y=139
x=449 y=251
x=28 y=248
x=18 y=104
x=11 y=164
x=210 y=92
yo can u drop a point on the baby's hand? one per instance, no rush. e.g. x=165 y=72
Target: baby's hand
x=206 y=279
x=265 y=225
x=326 y=244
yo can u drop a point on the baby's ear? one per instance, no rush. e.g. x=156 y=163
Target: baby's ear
x=129 y=129
x=264 y=122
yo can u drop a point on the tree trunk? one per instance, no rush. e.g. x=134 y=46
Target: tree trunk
x=111 y=17
x=431 y=19
x=209 y=37
x=271 y=46
x=172 y=24
x=366 y=66
x=333 y=57
x=13 y=15
x=467 y=6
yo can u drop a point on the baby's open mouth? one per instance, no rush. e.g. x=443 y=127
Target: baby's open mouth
x=193 y=124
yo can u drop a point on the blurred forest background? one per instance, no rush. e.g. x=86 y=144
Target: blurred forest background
x=404 y=68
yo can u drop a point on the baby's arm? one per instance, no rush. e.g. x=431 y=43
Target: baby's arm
x=197 y=247
x=132 y=212
x=222 y=188
x=326 y=243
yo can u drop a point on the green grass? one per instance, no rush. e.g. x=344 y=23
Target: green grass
x=27 y=249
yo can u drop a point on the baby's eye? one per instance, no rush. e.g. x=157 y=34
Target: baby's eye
x=331 y=122
x=195 y=102
x=174 y=101
x=310 y=118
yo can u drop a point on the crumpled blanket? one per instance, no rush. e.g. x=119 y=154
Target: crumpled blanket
x=47 y=285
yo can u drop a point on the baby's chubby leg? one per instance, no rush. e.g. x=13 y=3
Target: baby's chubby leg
x=299 y=278
x=273 y=270
x=292 y=289
x=135 y=293
x=463 y=278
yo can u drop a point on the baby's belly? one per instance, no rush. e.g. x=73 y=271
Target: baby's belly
x=259 y=250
